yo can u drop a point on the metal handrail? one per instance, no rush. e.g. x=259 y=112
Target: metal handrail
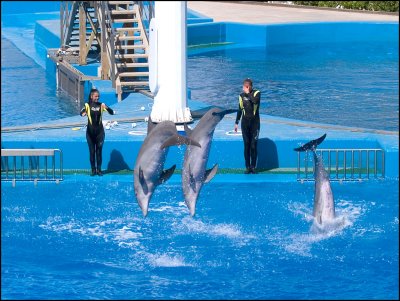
x=108 y=34
x=35 y=173
x=352 y=165
x=146 y=11
x=68 y=10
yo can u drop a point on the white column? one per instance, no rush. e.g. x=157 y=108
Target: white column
x=167 y=62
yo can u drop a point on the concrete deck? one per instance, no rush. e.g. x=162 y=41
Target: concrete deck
x=269 y=14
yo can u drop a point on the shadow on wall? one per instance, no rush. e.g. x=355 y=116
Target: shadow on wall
x=267 y=154
x=116 y=162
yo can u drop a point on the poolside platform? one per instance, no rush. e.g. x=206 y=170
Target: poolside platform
x=278 y=136
x=255 y=12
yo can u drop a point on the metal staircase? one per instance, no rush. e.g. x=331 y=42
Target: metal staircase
x=112 y=32
x=80 y=32
x=131 y=46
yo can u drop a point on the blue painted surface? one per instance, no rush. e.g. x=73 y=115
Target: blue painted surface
x=23 y=7
x=286 y=34
x=194 y=17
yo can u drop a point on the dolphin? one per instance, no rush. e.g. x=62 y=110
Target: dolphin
x=148 y=172
x=194 y=173
x=324 y=206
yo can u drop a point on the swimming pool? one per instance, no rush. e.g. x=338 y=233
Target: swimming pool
x=29 y=94
x=86 y=238
x=352 y=84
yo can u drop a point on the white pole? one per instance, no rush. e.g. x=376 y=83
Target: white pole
x=167 y=62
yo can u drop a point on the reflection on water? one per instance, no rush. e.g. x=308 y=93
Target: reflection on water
x=344 y=84
x=28 y=93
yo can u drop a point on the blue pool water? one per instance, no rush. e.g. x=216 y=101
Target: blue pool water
x=28 y=93
x=350 y=84
x=88 y=240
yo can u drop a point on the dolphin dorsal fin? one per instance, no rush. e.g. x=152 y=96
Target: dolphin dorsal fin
x=179 y=140
x=188 y=131
x=142 y=181
x=166 y=174
x=150 y=125
x=210 y=173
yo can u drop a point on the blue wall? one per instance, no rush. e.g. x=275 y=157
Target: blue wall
x=22 y=7
x=118 y=155
x=285 y=34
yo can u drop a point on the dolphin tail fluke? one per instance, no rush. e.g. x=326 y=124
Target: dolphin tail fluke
x=210 y=173
x=166 y=174
x=223 y=113
x=179 y=140
x=312 y=145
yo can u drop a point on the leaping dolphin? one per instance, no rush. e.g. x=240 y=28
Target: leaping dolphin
x=148 y=172
x=324 y=206
x=194 y=173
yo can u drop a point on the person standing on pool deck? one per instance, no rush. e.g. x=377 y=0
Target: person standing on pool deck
x=95 y=131
x=249 y=105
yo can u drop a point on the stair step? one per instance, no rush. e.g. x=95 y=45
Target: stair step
x=125 y=20
x=76 y=39
x=132 y=65
x=120 y=2
x=131 y=56
x=135 y=83
x=76 y=21
x=132 y=74
x=122 y=12
x=129 y=38
x=119 y=46
x=130 y=29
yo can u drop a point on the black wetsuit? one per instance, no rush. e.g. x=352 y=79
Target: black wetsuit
x=249 y=105
x=95 y=132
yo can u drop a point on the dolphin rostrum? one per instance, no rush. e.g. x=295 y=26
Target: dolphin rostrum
x=194 y=173
x=148 y=172
x=324 y=206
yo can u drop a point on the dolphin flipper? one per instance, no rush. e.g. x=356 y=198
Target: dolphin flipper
x=210 y=173
x=142 y=181
x=223 y=113
x=179 y=140
x=312 y=145
x=166 y=174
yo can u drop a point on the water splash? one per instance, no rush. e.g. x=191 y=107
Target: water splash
x=302 y=243
x=123 y=232
x=167 y=260
x=193 y=226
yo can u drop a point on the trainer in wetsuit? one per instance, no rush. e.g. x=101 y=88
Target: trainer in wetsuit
x=249 y=105
x=95 y=131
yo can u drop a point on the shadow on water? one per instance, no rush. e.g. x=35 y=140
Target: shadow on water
x=267 y=155
x=117 y=162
